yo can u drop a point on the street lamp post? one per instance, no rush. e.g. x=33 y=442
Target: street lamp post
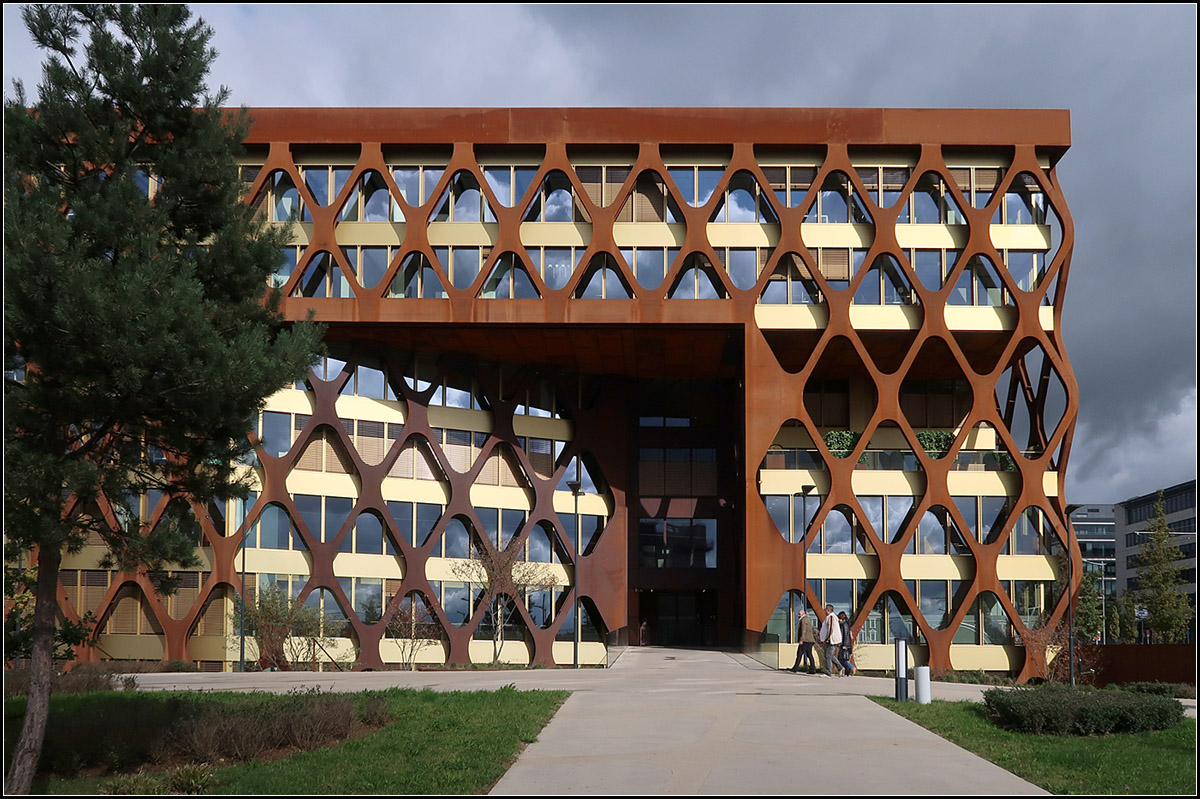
x=242 y=621
x=575 y=487
x=1103 y=600
x=804 y=491
x=1071 y=600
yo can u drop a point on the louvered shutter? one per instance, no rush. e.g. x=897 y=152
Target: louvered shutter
x=69 y=580
x=335 y=460
x=894 y=178
x=212 y=618
x=541 y=457
x=803 y=177
x=650 y=200
x=869 y=176
x=93 y=584
x=403 y=467
x=508 y=472
x=458 y=450
x=776 y=177
x=424 y=462
x=490 y=473
x=835 y=263
x=124 y=617
x=962 y=177
x=370 y=441
x=591 y=178
x=986 y=179
x=311 y=456
x=179 y=603
x=614 y=179
x=704 y=478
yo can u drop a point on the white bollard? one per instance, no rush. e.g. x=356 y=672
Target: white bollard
x=922 y=685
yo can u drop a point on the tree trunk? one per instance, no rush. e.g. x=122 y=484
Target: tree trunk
x=497 y=629
x=37 y=710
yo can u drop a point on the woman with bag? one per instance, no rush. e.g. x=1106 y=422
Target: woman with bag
x=846 y=649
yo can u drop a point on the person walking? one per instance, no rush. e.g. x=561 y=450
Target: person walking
x=806 y=638
x=846 y=651
x=831 y=637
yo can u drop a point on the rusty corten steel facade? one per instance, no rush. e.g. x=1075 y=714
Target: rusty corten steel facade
x=562 y=330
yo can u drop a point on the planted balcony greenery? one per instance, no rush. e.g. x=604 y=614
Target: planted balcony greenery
x=842 y=442
x=936 y=443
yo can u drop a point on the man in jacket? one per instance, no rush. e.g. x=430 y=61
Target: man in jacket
x=804 y=627
x=831 y=637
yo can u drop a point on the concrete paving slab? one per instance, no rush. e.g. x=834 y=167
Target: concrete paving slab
x=670 y=721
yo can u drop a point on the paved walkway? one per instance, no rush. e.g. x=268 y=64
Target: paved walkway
x=674 y=721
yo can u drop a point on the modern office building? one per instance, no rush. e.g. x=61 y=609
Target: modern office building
x=701 y=366
x=1132 y=523
x=1095 y=530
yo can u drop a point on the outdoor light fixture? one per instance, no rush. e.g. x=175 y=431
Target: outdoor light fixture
x=804 y=491
x=575 y=487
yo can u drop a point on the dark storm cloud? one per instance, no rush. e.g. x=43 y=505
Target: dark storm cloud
x=1127 y=75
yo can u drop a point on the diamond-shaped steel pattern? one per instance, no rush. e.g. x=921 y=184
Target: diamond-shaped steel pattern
x=783 y=360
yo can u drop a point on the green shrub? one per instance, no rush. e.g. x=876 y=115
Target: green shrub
x=190 y=778
x=76 y=681
x=1053 y=709
x=973 y=677
x=1178 y=690
x=133 y=784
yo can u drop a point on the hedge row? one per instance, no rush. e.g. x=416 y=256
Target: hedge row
x=1179 y=690
x=1054 y=709
x=122 y=730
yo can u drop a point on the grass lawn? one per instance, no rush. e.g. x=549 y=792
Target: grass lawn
x=1146 y=763
x=439 y=743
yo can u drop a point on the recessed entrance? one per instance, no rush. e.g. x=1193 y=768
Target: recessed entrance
x=680 y=618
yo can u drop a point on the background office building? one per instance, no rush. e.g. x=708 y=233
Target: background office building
x=1095 y=529
x=1133 y=518
x=705 y=366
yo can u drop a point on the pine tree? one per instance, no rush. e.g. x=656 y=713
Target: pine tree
x=138 y=336
x=1160 y=590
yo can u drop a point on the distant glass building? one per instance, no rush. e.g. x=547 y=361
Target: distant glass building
x=1095 y=529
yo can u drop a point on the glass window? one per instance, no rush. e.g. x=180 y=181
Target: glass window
x=456 y=539
x=276 y=433
x=935 y=604
x=337 y=510
x=837 y=530
x=510 y=524
x=540 y=550
x=840 y=594
x=898 y=508
x=743 y=267
x=310 y=513
x=368 y=535
x=457 y=601
x=275 y=528
x=932 y=534
x=803 y=512
x=779 y=510
x=465 y=266
x=426 y=518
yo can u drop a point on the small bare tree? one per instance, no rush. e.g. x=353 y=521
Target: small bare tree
x=504 y=577
x=413 y=627
x=287 y=631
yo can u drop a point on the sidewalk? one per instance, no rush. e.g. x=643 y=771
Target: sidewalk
x=694 y=722
x=674 y=721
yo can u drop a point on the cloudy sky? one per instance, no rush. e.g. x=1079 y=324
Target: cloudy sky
x=1127 y=74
